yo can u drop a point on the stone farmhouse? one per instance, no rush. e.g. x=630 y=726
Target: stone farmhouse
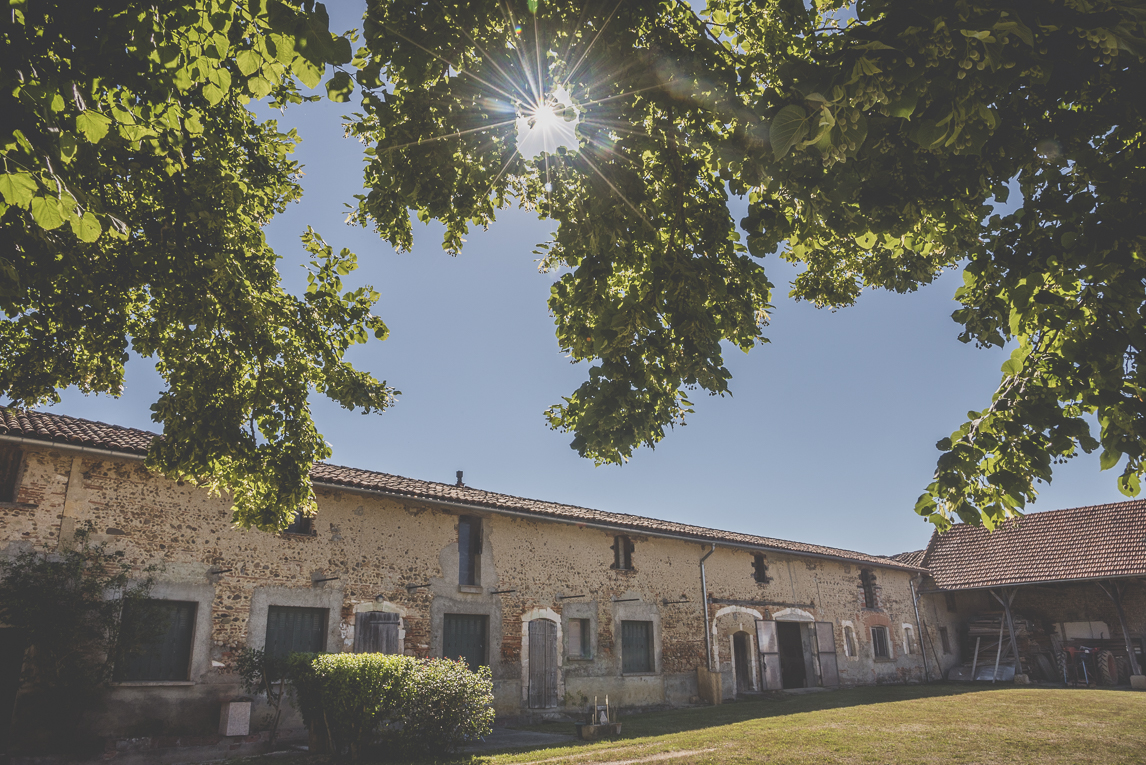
x=564 y=604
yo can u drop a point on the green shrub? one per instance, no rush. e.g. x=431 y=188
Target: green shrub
x=450 y=705
x=349 y=696
x=349 y=701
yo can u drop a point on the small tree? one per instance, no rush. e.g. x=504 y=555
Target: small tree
x=262 y=672
x=69 y=606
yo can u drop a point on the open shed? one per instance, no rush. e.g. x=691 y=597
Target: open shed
x=1043 y=588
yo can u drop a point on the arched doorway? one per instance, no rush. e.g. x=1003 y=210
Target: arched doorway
x=741 y=658
x=542 y=664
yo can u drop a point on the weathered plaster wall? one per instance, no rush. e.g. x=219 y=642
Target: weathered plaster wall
x=383 y=551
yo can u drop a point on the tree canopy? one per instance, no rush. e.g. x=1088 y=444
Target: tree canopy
x=871 y=149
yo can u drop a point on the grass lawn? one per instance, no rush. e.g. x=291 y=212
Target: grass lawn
x=897 y=724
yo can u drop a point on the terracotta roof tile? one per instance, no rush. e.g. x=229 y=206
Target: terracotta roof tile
x=1093 y=542
x=59 y=428
x=913 y=558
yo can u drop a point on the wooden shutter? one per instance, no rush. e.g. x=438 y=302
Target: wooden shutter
x=769 y=647
x=826 y=652
x=464 y=636
x=168 y=656
x=291 y=630
x=637 y=647
x=542 y=664
x=469 y=549
x=377 y=632
x=10 y=458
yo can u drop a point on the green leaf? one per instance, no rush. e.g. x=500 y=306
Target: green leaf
x=248 y=62
x=1108 y=459
x=904 y=107
x=18 y=188
x=93 y=125
x=46 y=212
x=867 y=241
x=67 y=147
x=1129 y=485
x=87 y=228
x=788 y=128
x=339 y=87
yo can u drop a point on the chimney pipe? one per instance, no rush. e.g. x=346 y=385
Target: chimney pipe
x=460 y=479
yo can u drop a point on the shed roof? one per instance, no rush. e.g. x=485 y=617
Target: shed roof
x=72 y=431
x=1081 y=543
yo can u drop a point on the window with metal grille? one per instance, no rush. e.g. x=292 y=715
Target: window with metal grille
x=10 y=459
x=944 y=640
x=291 y=629
x=302 y=525
x=760 y=568
x=867 y=582
x=465 y=636
x=580 y=639
x=168 y=655
x=469 y=550
x=623 y=553
x=879 y=643
x=637 y=647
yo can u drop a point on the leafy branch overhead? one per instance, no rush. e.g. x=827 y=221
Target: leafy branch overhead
x=871 y=151
x=136 y=183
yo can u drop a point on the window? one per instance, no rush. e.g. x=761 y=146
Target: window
x=469 y=550
x=950 y=598
x=291 y=629
x=10 y=458
x=760 y=568
x=623 y=553
x=867 y=582
x=377 y=632
x=637 y=647
x=464 y=636
x=908 y=640
x=303 y=525
x=944 y=640
x=167 y=656
x=849 y=641
x=879 y=645
x=580 y=639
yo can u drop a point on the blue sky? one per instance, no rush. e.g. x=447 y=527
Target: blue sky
x=828 y=438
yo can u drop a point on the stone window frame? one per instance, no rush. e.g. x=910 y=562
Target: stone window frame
x=637 y=611
x=262 y=598
x=203 y=595
x=875 y=643
x=851 y=639
x=571 y=611
x=910 y=640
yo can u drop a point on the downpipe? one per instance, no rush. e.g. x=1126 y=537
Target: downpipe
x=704 y=600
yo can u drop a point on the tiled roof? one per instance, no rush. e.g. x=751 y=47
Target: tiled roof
x=1094 y=542
x=77 y=432
x=913 y=558
x=60 y=428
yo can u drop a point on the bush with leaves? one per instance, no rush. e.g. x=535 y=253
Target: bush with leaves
x=450 y=705
x=350 y=701
x=68 y=606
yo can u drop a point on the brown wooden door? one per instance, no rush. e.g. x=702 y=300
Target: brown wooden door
x=768 y=645
x=542 y=664
x=826 y=653
x=376 y=632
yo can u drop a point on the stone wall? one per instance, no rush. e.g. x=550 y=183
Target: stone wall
x=402 y=556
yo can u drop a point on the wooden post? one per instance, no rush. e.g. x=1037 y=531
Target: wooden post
x=999 y=653
x=1010 y=623
x=975 y=661
x=1115 y=594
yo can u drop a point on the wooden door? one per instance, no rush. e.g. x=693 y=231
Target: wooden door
x=768 y=644
x=464 y=637
x=826 y=652
x=740 y=654
x=542 y=664
x=377 y=632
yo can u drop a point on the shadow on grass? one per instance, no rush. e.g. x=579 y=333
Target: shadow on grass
x=698 y=718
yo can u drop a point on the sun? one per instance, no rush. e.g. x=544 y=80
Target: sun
x=547 y=125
